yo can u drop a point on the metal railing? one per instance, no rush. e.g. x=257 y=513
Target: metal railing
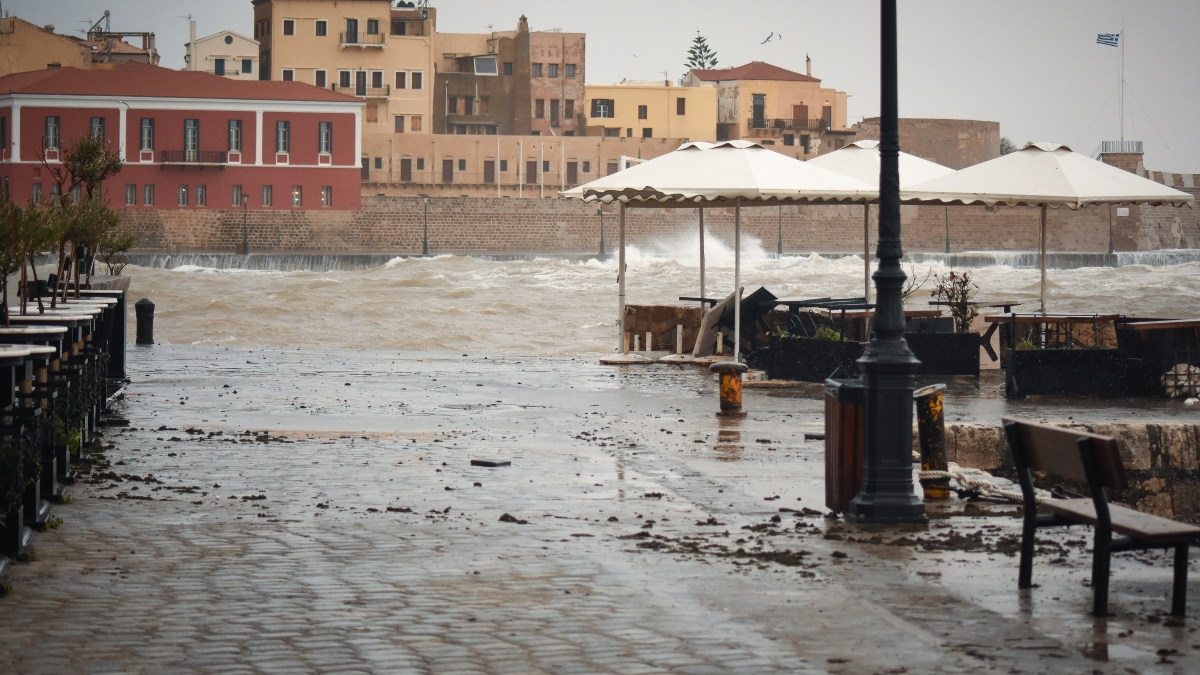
x=362 y=40
x=365 y=92
x=1107 y=147
x=192 y=156
x=787 y=123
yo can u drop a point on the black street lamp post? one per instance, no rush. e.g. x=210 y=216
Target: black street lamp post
x=245 y=232
x=600 y=212
x=889 y=367
x=425 y=236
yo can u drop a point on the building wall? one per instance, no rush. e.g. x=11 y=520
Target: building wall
x=735 y=105
x=560 y=49
x=209 y=49
x=953 y=143
x=25 y=47
x=698 y=123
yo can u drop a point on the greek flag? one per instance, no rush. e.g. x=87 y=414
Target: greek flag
x=1109 y=39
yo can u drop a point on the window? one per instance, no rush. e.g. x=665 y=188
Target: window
x=76 y=194
x=554 y=112
x=322 y=28
x=52 y=133
x=191 y=140
x=398 y=27
x=288 y=75
x=647 y=133
x=789 y=139
x=485 y=65
x=3 y=134
x=344 y=79
x=54 y=192
x=569 y=109
x=218 y=66
x=401 y=79
x=539 y=108
x=399 y=124
x=545 y=166
x=283 y=136
x=420 y=164
x=587 y=166
x=228 y=39
x=377 y=79
x=553 y=68
x=147 y=195
x=289 y=26
x=452 y=105
x=319 y=78
x=130 y=194
x=147 y=133
x=415 y=123
x=643 y=112
x=537 y=70
x=183 y=198
x=603 y=107
x=612 y=133
x=504 y=165
x=681 y=106
x=247 y=66
x=417 y=77
x=236 y=195
x=378 y=162
x=325 y=137
x=485 y=105
x=628 y=133
x=201 y=195
x=36 y=193
x=297 y=196
x=569 y=70
x=327 y=195
x=372 y=26
x=266 y=195
x=462 y=165
x=235 y=135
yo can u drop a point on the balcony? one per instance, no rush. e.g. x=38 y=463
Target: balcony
x=787 y=123
x=383 y=92
x=213 y=157
x=362 y=40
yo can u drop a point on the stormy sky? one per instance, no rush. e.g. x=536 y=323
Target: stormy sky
x=1033 y=66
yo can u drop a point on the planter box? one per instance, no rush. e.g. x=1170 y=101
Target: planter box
x=811 y=360
x=1066 y=372
x=945 y=353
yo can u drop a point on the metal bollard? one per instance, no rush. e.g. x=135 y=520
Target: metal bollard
x=731 y=386
x=678 y=339
x=931 y=429
x=145 y=321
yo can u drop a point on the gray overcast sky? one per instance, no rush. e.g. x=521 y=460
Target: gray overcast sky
x=1032 y=65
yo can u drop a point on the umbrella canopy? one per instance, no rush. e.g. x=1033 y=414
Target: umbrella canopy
x=706 y=173
x=860 y=160
x=1046 y=175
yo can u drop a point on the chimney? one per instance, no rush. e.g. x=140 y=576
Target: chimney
x=807 y=65
x=192 y=45
x=523 y=25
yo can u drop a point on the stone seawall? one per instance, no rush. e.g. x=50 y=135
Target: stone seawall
x=553 y=226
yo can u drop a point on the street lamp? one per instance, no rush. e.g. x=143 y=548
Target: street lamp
x=425 y=237
x=245 y=234
x=600 y=212
x=889 y=367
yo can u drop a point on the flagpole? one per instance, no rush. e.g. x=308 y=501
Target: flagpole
x=1122 y=106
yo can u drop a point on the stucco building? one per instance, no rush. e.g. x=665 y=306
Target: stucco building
x=652 y=109
x=189 y=140
x=226 y=53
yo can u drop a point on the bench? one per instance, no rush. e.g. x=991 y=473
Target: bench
x=1094 y=460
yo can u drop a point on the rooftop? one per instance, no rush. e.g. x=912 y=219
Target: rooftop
x=755 y=70
x=136 y=80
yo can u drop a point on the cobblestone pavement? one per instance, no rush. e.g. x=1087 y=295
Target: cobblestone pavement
x=304 y=511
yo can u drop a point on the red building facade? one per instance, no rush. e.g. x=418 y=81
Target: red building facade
x=189 y=140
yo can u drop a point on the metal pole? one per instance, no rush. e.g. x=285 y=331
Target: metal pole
x=866 y=253
x=889 y=367
x=425 y=235
x=245 y=232
x=600 y=212
x=520 y=159
x=542 y=171
x=947 y=229
x=703 y=307
x=779 y=248
x=737 y=281
x=497 y=172
x=1111 y=250
x=1042 y=238
x=621 y=279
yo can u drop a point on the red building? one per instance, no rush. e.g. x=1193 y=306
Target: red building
x=190 y=140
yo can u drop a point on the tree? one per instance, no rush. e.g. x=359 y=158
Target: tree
x=700 y=56
x=113 y=244
x=1007 y=146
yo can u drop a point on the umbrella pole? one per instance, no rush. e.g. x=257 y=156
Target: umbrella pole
x=622 y=346
x=866 y=253
x=1042 y=236
x=702 y=305
x=737 y=281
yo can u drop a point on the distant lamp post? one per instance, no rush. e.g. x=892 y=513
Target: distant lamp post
x=245 y=231
x=600 y=212
x=425 y=236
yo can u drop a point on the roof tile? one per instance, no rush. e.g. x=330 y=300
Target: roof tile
x=755 y=70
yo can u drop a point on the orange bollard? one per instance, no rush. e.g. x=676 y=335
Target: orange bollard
x=731 y=386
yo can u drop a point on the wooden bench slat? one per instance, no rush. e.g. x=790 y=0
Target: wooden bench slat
x=1125 y=521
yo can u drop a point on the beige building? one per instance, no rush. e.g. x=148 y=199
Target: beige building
x=227 y=53
x=361 y=47
x=653 y=109
x=772 y=105
x=25 y=47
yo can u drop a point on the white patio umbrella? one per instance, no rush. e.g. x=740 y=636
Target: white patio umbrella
x=729 y=173
x=1045 y=175
x=860 y=160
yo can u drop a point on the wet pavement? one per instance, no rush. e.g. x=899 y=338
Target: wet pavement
x=316 y=511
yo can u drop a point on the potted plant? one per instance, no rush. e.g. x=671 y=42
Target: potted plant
x=955 y=353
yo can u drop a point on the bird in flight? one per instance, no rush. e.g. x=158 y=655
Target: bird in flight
x=768 y=38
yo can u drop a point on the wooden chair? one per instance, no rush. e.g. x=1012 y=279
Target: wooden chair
x=1095 y=460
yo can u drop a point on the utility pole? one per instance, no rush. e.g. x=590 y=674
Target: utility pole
x=425 y=236
x=245 y=233
x=889 y=367
x=600 y=212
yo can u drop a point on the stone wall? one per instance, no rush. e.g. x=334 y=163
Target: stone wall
x=554 y=226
